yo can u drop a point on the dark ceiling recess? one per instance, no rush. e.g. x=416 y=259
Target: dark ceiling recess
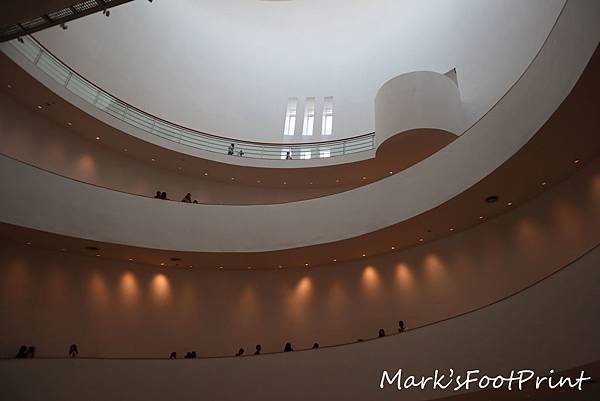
x=175 y=259
x=492 y=199
x=92 y=248
x=58 y=17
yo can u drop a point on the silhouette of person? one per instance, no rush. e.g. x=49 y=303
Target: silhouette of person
x=163 y=196
x=288 y=347
x=73 y=351
x=401 y=327
x=157 y=196
x=187 y=198
x=231 y=149
x=288 y=156
x=193 y=354
x=315 y=346
x=240 y=352
x=30 y=352
x=381 y=333
x=258 y=349
x=173 y=355
x=22 y=352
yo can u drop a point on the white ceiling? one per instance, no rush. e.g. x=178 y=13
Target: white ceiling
x=228 y=67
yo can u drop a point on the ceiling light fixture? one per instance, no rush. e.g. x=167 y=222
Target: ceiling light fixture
x=9 y=86
x=480 y=217
x=576 y=161
x=391 y=172
x=306 y=264
x=205 y=174
x=28 y=243
x=544 y=183
x=421 y=239
x=97 y=255
x=69 y=123
x=97 y=138
x=451 y=228
x=509 y=204
x=393 y=248
x=39 y=106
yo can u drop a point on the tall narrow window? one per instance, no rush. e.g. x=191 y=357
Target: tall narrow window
x=305 y=154
x=290 y=117
x=327 y=126
x=324 y=152
x=309 y=116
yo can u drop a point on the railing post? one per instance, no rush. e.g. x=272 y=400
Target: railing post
x=343 y=148
x=38 y=56
x=68 y=78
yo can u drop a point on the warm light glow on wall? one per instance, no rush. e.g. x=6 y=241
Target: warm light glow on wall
x=98 y=290
x=17 y=281
x=434 y=267
x=370 y=280
x=128 y=289
x=86 y=167
x=595 y=189
x=528 y=235
x=568 y=220
x=304 y=287
x=404 y=277
x=160 y=289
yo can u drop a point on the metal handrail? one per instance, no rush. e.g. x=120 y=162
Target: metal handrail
x=39 y=56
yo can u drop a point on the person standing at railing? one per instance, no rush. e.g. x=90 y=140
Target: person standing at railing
x=231 y=149
x=187 y=198
x=288 y=156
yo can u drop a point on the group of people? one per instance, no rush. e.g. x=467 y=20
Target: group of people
x=186 y=199
x=29 y=351
x=231 y=150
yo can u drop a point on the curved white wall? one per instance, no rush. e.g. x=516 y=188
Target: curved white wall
x=74 y=209
x=102 y=304
x=421 y=99
x=227 y=68
x=522 y=332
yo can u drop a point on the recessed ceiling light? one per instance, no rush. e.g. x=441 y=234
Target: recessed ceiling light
x=97 y=255
x=125 y=150
x=335 y=260
x=391 y=172
x=249 y=267
x=480 y=217
x=28 y=243
x=130 y=259
x=338 y=180
x=232 y=179
x=310 y=183
x=281 y=267
x=220 y=267
x=421 y=239
x=97 y=138
x=306 y=264
x=69 y=123
x=364 y=178
x=153 y=159
x=393 y=248
x=162 y=263
x=364 y=254
x=258 y=181
x=576 y=161
x=190 y=266
x=451 y=228
x=509 y=203
x=39 y=106
x=9 y=86
x=205 y=174
x=284 y=183
x=544 y=183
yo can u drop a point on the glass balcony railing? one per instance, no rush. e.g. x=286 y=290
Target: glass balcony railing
x=85 y=90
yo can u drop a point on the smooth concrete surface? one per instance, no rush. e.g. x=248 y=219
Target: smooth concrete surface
x=461 y=164
x=550 y=325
